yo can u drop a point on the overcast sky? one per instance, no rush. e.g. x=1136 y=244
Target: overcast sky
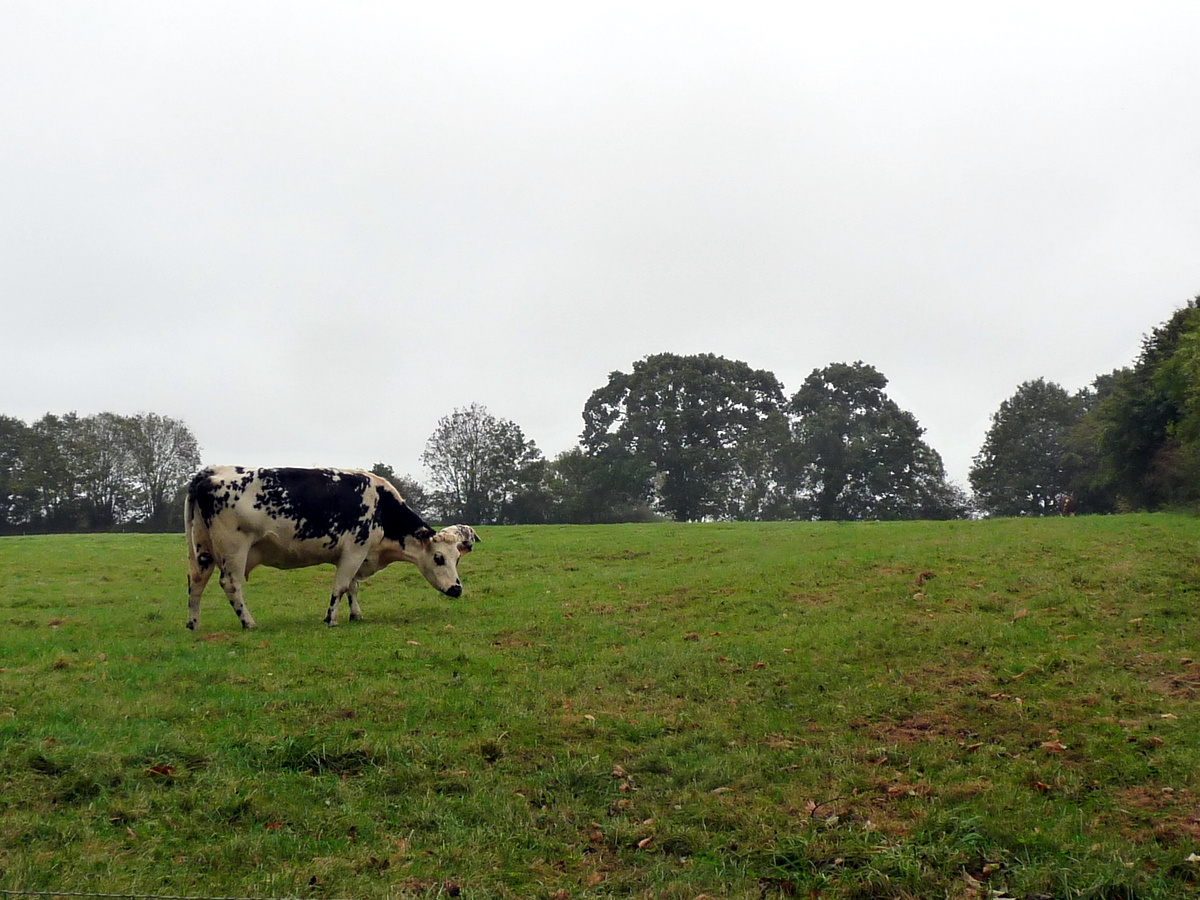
x=310 y=230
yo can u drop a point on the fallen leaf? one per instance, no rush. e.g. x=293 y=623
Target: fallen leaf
x=1054 y=746
x=644 y=843
x=594 y=878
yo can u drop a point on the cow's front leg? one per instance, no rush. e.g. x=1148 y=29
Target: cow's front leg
x=331 y=613
x=344 y=582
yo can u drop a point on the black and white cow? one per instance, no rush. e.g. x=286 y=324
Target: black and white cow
x=238 y=518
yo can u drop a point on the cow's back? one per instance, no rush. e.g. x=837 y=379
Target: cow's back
x=298 y=505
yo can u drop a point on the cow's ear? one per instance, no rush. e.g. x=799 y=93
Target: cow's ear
x=467 y=534
x=423 y=534
x=464 y=547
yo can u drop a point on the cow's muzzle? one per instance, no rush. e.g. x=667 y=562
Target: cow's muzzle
x=455 y=590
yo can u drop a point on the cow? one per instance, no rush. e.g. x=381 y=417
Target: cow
x=1066 y=505
x=238 y=518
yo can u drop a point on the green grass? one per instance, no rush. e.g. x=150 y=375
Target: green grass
x=909 y=710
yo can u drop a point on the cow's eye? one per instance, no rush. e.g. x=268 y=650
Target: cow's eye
x=438 y=559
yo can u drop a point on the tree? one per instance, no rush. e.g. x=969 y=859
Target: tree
x=162 y=453
x=703 y=427
x=604 y=488
x=97 y=451
x=475 y=462
x=530 y=502
x=51 y=488
x=73 y=473
x=1023 y=466
x=855 y=454
x=14 y=461
x=1147 y=422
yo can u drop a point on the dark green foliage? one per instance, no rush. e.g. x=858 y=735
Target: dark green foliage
x=611 y=485
x=1147 y=421
x=1022 y=468
x=94 y=473
x=704 y=438
x=478 y=465
x=706 y=428
x=15 y=440
x=855 y=454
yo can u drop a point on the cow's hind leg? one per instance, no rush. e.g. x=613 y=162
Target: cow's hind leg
x=233 y=576
x=198 y=574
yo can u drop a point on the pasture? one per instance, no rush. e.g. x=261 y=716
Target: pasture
x=961 y=709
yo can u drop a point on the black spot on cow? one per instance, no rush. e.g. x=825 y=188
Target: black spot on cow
x=202 y=494
x=324 y=504
x=396 y=518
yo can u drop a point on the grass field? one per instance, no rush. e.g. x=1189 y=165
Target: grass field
x=920 y=710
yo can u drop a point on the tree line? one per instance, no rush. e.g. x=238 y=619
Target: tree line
x=1129 y=441
x=696 y=437
x=703 y=437
x=94 y=473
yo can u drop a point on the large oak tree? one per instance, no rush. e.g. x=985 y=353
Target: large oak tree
x=704 y=428
x=856 y=454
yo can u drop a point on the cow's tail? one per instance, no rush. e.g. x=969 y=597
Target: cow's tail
x=200 y=549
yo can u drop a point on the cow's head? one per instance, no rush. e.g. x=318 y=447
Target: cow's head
x=439 y=555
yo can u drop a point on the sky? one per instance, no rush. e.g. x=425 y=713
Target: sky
x=311 y=230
